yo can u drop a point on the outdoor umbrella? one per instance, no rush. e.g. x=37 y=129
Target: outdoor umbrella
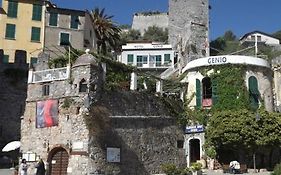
x=11 y=146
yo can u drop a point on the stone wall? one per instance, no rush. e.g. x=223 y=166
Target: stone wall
x=140 y=125
x=141 y=21
x=189 y=24
x=13 y=86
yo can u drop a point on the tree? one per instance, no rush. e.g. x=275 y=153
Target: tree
x=107 y=32
x=229 y=36
x=277 y=34
x=154 y=33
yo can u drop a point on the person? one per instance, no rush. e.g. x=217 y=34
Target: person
x=23 y=167
x=234 y=167
x=40 y=167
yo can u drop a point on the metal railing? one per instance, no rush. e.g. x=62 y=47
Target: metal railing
x=49 y=75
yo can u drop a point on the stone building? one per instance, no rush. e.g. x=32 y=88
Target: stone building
x=78 y=128
x=67 y=27
x=141 y=21
x=202 y=93
x=189 y=28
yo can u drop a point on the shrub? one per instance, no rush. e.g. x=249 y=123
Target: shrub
x=277 y=169
x=171 y=169
x=196 y=166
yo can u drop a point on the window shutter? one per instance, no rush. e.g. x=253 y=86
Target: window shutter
x=64 y=39
x=158 y=60
x=254 y=92
x=167 y=58
x=12 y=9
x=214 y=92
x=35 y=34
x=37 y=12
x=130 y=59
x=74 y=22
x=53 y=21
x=198 y=94
x=10 y=31
x=6 y=59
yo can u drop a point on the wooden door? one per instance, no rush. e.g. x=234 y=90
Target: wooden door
x=58 y=162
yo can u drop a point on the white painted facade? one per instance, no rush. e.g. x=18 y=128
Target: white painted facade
x=147 y=55
x=261 y=38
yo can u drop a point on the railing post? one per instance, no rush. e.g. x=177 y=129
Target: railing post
x=68 y=70
x=134 y=81
x=30 y=76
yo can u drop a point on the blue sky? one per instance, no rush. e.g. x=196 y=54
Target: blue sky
x=240 y=16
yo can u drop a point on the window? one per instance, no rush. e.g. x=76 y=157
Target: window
x=167 y=59
x=10 y=31
x=259 y=38
x=35 y=34
x=64 y=39
x=6 y=59
x=207 y=92
x=141 y=60
x=12 y=9
x=74 y=22
x=53 y=20
x=253 y=92
x=37 y=12
x=130 y=59
x=180 y=143
x=158 y=60
x=46 y=90
x=83 y=86
x=33 y=60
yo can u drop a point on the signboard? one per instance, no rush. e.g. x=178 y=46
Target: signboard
x=113 y=154
x=29 y=156
x=194 y=129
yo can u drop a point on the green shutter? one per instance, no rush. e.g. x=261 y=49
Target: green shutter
x=254 y=92
x=130 y=59
x=214 y=92
x=12 y=9
x=35 y=34
x=37 y=12
x=74 y=22
x=167 y=58
x=10 y=31
x=33 y=60
x=64 y=39
x=53 y=20
x=198 y=94
x=6 y=59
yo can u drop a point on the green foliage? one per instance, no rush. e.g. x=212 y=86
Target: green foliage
x=229 y=36
x=277 y=169
x=277 y=34
x=154 y=33
x=171 y=169
x=196 y=166
x=148 y=13
x=67 y=102
x=131 y=35
x=63 y=60
x=211 y=152
x=231 y=88
x=107 y=32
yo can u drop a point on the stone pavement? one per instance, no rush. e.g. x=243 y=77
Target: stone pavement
x=212 y=172
x=6 y=172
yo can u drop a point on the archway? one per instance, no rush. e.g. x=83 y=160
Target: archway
x=58 y=161
x=194 y=150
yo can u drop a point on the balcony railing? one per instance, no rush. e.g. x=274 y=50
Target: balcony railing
x=48 y=75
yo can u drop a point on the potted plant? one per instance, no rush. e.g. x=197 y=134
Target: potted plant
x=196 y=168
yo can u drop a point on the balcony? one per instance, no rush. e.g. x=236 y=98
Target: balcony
x=48 y=75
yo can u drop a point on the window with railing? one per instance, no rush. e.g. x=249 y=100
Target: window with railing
x=141 y=59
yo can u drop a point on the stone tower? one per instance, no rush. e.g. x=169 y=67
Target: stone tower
x=189 y=28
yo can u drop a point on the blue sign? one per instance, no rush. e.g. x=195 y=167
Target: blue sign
x=194 y=129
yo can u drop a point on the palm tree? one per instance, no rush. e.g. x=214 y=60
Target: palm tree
x=107 y=32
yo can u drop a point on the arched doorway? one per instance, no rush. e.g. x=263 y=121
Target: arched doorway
x=58 y=161
x=194 y=150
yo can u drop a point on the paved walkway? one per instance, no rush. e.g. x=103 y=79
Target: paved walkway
x=212 y=172
x=6 y=172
